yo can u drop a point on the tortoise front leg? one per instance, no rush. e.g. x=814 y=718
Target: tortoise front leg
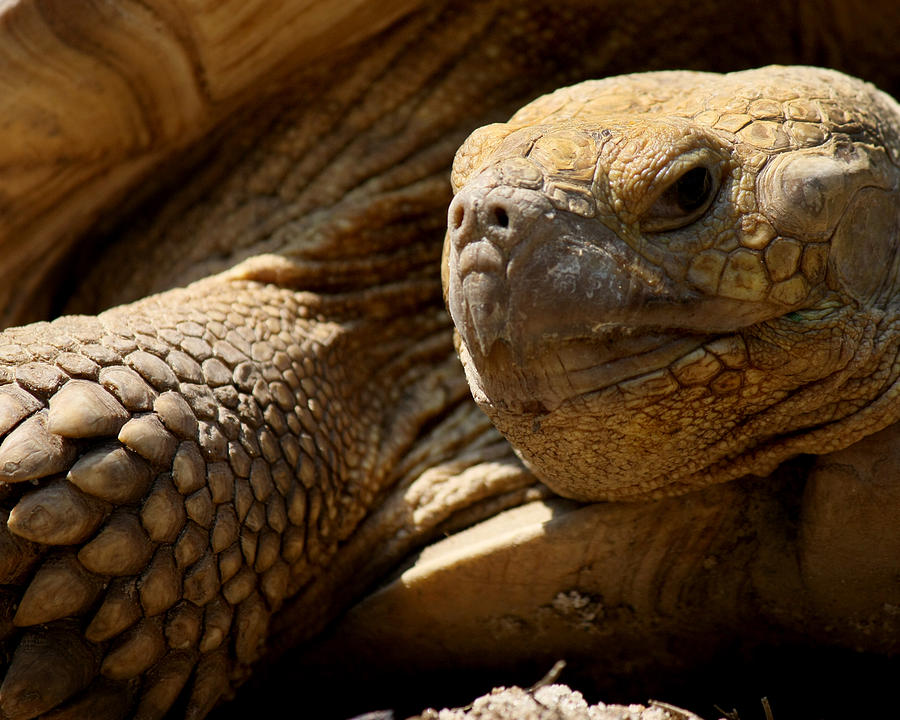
x=171 y=472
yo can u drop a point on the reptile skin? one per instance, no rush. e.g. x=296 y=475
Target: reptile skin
x=708 y=262
x=176 y=471
x=171 y=475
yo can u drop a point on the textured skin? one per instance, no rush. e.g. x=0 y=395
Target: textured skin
x=317 y=215
x=171 y=473
x=595 y=312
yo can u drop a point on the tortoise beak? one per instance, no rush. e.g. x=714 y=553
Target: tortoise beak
x=520 y=271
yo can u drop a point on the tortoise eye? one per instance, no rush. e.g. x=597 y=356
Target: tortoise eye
x=683 y=201
x=692 y=189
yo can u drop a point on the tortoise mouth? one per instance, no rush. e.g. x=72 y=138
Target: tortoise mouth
x=560 y=371
x=626 y=358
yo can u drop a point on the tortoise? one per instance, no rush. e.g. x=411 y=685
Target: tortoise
x=249 y=413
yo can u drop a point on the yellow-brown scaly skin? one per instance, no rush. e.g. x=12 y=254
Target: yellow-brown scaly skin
x=706 y=260
x=306 y=178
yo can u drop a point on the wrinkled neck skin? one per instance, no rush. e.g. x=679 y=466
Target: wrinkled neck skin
x=639 y=450
x=630 y=348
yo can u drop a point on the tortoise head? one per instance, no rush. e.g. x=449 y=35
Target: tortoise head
x=665 y=280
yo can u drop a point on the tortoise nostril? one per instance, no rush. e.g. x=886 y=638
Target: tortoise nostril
x=457 y=217
x=501 y=218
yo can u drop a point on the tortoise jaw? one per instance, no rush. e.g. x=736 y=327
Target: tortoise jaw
x=620 y=362
x=567 y=370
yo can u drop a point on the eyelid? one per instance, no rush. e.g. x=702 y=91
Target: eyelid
x=701 y=157
x=706 y=158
